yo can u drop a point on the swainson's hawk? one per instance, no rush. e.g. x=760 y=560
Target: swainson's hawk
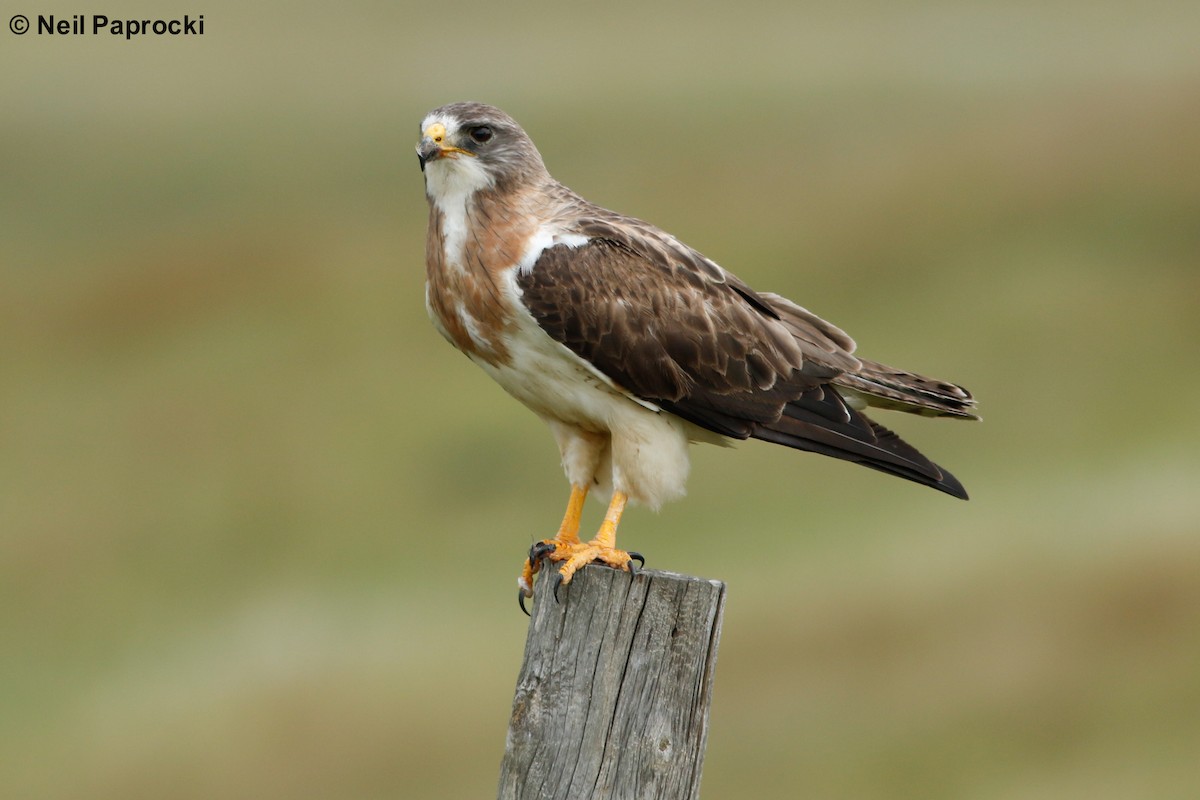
x=629 y=343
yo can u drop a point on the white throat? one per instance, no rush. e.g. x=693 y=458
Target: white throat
x=451 y=180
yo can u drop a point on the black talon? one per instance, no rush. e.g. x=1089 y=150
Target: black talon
x=558 y=581
x=539 y=551
x=638 y=557
x=521 y=602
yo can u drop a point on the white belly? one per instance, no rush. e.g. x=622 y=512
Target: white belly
x=645 y=447
x=556 y=383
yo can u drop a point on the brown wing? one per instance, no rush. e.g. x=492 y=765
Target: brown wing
x=673 y=328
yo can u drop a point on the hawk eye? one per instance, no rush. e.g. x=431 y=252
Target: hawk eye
x=481 y=133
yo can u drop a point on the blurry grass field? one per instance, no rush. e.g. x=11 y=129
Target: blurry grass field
x=259 y=524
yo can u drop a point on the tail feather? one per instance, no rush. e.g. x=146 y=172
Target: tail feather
x=880 y=386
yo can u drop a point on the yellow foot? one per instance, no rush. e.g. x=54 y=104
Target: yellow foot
x=574 y=554
x=573 y=557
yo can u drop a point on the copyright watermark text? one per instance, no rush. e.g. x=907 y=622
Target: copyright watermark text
x=99 y=24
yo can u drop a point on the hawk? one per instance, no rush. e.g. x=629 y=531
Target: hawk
x=631 y=345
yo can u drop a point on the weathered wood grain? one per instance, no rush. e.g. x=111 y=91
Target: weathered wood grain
x=613 y=696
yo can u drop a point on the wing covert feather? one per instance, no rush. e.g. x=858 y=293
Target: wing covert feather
x=657 y=330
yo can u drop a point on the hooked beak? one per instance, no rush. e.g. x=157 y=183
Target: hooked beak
x=434 y=145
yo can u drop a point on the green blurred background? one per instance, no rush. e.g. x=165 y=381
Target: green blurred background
x=259 y=524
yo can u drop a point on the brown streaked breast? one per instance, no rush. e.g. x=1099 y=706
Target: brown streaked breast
x=465 y=293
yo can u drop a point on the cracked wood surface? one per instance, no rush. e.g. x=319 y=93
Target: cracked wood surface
x=613 y=696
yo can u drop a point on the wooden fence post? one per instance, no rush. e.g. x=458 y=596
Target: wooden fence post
x=613 y=696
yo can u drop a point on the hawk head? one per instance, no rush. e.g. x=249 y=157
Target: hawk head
x=471 y=146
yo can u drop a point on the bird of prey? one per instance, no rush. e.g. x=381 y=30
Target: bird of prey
x=629 y=344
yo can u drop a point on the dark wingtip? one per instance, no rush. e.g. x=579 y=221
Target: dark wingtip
x=950 y=485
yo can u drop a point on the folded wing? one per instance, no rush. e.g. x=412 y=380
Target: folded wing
x=673 y=328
